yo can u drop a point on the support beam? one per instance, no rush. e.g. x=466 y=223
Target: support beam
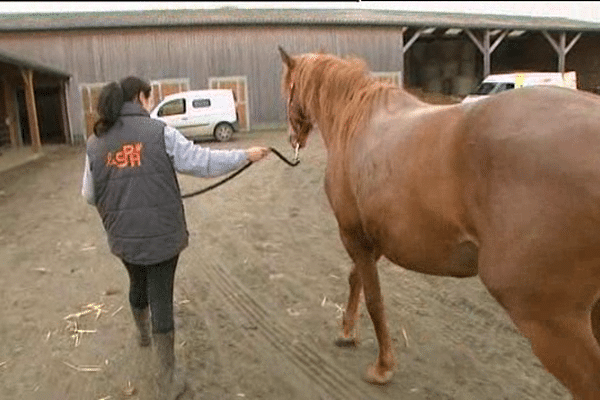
x=34 y=129
x=412 y=40
x=486 y=48
x=561 y=47
x=401 y=66
x=405 y=48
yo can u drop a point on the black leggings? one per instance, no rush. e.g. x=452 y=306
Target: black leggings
x=153 y=285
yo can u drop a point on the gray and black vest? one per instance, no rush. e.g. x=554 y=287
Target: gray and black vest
x=136 y=190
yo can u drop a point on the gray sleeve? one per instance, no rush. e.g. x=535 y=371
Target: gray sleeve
x=193 y=159
x=87 y=186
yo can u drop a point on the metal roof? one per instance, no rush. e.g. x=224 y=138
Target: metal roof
x=18 y=61
x=239 y=16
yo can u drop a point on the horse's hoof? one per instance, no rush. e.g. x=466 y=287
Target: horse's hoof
x=377 y=377
x=346 y=342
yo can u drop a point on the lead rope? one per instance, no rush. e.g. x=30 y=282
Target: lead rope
x=242 y=169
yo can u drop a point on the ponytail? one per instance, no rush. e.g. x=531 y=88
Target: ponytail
x=110 y=102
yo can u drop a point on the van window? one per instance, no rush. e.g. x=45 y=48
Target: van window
x=173 y=107
x=485 y=88
x=201 y=103
x=505 y=86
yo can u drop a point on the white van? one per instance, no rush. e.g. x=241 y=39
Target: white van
x=200 y=113
x=499 y=83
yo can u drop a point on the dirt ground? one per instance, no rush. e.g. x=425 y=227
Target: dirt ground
x=258 y=299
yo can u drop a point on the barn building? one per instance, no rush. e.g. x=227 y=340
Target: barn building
x=52 y=66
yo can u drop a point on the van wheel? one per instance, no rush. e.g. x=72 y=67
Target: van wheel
x=223 y=132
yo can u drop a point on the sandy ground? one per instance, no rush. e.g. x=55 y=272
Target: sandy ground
x=258 y=299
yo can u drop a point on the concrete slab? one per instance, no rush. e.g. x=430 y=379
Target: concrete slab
x=12 y=157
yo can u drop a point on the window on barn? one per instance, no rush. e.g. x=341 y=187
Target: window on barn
x=174 y=107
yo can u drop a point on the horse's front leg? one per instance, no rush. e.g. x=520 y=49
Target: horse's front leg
x=349 y=331
x=364 y=275
x=381 y=371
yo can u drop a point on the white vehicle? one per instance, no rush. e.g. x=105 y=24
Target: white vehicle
x=200 y=113
x=499 y=83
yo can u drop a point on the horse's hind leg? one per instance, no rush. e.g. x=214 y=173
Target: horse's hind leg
x=558 y=324
x=567 y=348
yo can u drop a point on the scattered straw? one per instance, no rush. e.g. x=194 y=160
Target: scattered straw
x=77 y=315
x=90 y=308
x=83 y=368
x=115 y=313
x=324 y=301
x=3 y=363
x=405 y=336
x=72 y=321
x=339 y=309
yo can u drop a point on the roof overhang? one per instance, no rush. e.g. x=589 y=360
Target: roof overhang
x=22 y=63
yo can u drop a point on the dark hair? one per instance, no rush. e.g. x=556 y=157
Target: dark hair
x=111 y=101
x=133 y=86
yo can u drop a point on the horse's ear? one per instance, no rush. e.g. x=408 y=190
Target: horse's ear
x=287 y=60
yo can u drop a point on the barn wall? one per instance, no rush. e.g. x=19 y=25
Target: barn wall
x=199 y=53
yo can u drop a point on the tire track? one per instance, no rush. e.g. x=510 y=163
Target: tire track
x=320 y=370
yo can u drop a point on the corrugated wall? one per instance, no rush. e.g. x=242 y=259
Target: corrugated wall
x=198 y=53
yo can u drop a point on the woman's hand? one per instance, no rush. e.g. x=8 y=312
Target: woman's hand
x=257 y=153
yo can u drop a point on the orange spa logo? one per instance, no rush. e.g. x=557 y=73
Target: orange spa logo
x=128 y=156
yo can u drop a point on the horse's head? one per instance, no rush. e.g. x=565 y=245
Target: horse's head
x=300 y=123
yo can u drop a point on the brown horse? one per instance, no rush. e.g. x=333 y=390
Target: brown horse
x=507 y=188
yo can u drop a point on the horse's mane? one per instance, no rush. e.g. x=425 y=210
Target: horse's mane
x=339 y=93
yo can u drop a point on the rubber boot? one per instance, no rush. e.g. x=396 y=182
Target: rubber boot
x=170 y=381
x=142 y=320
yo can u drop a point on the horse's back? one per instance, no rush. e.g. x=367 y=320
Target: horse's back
x=538 y=138
x=532 y=187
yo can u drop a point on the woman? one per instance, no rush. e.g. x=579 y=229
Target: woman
x=130 y=177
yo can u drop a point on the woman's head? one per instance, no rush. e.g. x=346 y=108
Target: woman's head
x=113 y=96
x=133 y=87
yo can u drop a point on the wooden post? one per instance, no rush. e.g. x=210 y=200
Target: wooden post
x=34 y=129
x=64 y=112
x=11 y=111
x=405 y=48
x=561 y=47
x=486 y=48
